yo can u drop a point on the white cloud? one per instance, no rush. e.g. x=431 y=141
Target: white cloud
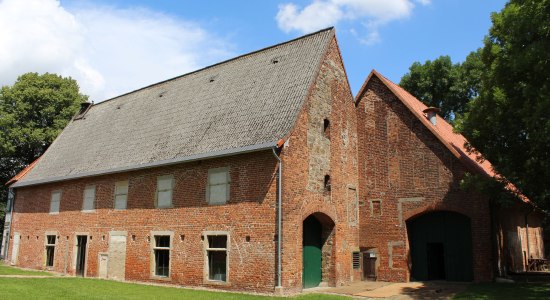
x=108 y=50
x=324 y=13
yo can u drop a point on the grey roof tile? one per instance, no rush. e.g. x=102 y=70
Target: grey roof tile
x=241 y=102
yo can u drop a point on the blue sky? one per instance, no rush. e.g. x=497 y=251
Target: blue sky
x=112 y=47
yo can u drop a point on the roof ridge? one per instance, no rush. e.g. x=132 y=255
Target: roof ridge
x=219 y=63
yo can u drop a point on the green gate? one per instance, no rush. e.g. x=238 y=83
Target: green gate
x=441 y=246
x=312 y=244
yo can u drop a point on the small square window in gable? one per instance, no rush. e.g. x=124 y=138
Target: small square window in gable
x=219 y=186
x=376 y=208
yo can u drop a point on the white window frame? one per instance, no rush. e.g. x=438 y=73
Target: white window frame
x=85 y=198
x=55 y=197
x=46 y=245
x=227 y=183
x=207 y=249
x=121 y=190
x=153 y=244
x=165 y=178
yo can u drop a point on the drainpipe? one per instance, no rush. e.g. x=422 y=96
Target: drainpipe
x=279 y=216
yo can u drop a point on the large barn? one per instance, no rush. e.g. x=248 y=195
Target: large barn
x=263 y=173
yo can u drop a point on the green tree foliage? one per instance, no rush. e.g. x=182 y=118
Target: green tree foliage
x=32 y=113
x=440 y=83
x=509 y=122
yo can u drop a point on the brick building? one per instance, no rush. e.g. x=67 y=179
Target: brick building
x=416 y=216
x=259 y=173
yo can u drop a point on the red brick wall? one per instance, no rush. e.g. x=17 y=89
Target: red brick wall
x=405 y=167
x=250 y=212
x=309 y=156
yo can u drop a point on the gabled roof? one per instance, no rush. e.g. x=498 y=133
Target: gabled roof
x=453 y=141
x=243 y=104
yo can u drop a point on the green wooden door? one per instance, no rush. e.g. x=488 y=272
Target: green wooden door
x=312 y=244
x=441 y=247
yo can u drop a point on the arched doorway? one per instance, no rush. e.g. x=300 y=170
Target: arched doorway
x=318 y=233
x=441 y=246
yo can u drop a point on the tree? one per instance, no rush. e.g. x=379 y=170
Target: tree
x=440 y=83
x=509 y=122
x=32 y=113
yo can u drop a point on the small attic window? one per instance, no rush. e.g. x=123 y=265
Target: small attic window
x=84 y=107
x=326 y=128
x=275 y=60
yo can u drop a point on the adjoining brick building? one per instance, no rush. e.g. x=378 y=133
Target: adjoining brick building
x=416 y=216
x=260 y=173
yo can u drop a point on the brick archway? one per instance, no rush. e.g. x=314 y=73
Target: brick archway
x=318 y=235
x=440 y=244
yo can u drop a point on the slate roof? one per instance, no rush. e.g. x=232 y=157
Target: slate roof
x=455 y=142
x=243 y=104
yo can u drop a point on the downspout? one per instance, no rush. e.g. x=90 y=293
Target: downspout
x=279 y=216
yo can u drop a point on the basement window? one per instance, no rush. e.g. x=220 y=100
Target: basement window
x=356 y=260
x=88 y=204
x=161 y=252
x=216 y=255
x=55 y=202
x=50 y=250
x=121 y=194
x=165 y=185
x=219 y=186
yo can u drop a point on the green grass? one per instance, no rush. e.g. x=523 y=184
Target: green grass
x=86 y=288
x=6 y=270
x=506 y=291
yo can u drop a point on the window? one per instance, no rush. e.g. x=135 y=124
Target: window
x=89 y=198
x=50 y=250
x=356 y=260
x=165 y=185
x=216 y=252
x=162 y=255
x=55 y=202
x=327 y=183
x=121 y=194
x=326 y=128
x=219 y=183
x=376 y=208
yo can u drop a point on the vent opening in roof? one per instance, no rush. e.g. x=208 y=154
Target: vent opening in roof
x=275 y=60
x=84 y=107
x=213 y=78
x=431 y=114
x=161 y=94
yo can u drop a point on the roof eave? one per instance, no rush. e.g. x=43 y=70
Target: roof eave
x=168 y=162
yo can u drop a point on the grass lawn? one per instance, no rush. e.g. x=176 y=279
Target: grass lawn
x=86 y=288
x=6 y=270
x=506 y=291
